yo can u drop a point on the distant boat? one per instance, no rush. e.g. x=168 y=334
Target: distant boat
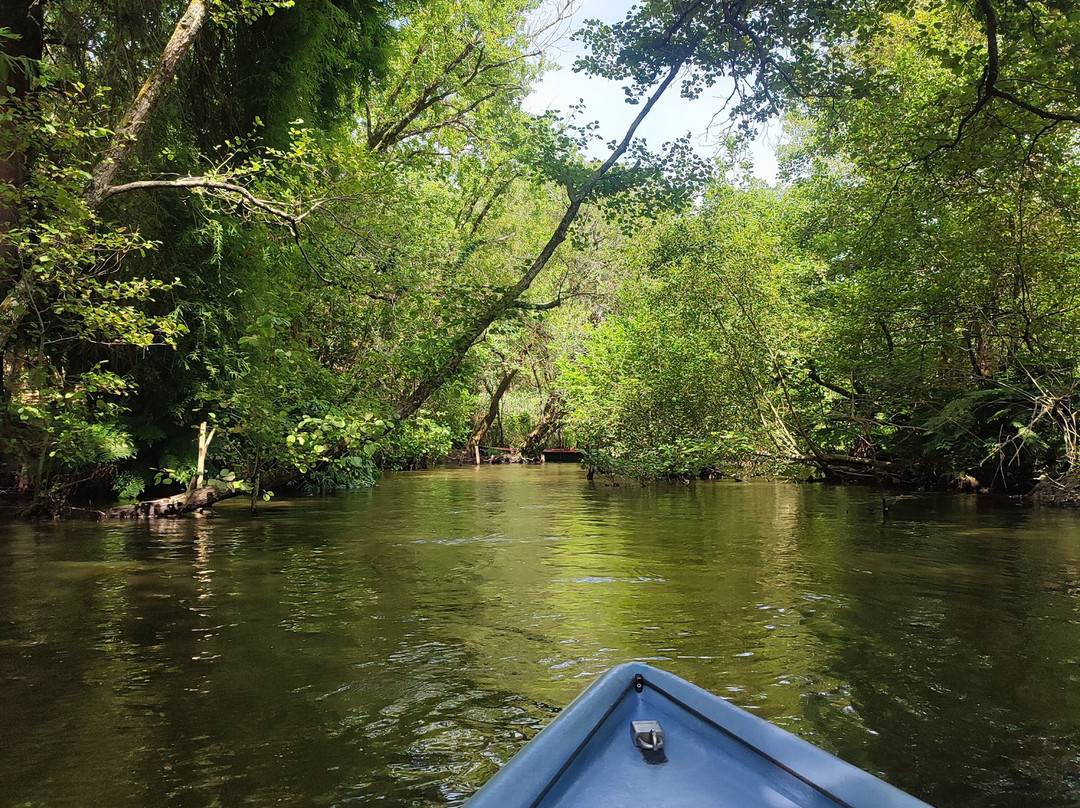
x=562 y=456
x=643 y=737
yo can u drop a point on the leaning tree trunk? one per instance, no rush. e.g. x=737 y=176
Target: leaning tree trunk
x=24 y=17
x=491 y=415
x=146 y=102
x=507 y=300
x=551 y=420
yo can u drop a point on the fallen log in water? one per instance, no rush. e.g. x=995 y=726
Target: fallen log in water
x=176 y=505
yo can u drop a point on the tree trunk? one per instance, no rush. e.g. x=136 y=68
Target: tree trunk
x=146 y=102
x=204 y=447
x=550 y=421
x=23 y=18
x=255 y=491
x=492 y=413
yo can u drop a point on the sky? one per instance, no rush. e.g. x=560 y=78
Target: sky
x=672 y=117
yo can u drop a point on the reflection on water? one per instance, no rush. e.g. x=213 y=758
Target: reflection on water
x=399 y=645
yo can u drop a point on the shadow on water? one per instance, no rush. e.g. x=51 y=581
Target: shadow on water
x=400 y=644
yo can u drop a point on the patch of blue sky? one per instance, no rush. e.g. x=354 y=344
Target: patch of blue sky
x=604 y=100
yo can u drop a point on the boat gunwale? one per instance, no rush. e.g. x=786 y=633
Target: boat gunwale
x=581 y=746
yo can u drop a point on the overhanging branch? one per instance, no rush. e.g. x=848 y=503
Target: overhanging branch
x=210 y=184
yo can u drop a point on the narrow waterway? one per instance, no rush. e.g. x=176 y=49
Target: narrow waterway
x=396 y=646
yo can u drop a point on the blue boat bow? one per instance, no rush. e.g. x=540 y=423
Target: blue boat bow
x=640 y=736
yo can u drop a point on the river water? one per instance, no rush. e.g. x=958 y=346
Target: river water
x=396 y=646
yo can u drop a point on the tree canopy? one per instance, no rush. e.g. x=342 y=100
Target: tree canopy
x=273 y=243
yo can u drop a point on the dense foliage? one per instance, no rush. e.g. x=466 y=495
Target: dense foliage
x=330 y=192
x=324 y=236
x=903 y=309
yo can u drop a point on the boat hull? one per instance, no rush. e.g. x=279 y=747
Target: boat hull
x=714 y=754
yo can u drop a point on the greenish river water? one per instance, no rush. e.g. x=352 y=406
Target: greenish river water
x=396 y=646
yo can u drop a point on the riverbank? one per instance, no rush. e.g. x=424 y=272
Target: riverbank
x=1058 y=493
x=1061 y=494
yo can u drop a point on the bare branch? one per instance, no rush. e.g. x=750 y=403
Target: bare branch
x=815 y=377
x=212 y=185
x=989 y=84
x=553 y=304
